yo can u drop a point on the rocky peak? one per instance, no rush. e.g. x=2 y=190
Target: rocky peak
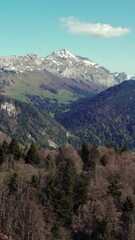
x=63 y=54
x=66 y=64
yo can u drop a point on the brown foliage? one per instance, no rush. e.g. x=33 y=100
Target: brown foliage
x=71 y=153
x=28 y=210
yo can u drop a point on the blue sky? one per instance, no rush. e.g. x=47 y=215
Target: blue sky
x=102 y=30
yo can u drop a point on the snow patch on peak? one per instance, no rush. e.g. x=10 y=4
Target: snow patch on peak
x=10 y=108
x=131 y=77
x=64 y=54
x=89 y=63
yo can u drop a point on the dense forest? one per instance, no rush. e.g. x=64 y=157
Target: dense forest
x=25 y=122
x=67 y=193
x=107 y=117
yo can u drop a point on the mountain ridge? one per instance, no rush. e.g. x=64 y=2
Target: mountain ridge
x=66 y=64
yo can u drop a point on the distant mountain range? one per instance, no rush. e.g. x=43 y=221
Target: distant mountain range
x=55 y=85
x=107 y=117
x=54 y=81
x=66 y=64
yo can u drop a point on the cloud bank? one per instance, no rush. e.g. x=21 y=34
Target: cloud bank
x=75 y=26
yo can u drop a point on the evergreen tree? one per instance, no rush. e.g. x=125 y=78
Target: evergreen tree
x=114 y=189
x=13 y=184
x=3 y=152
x=5 y=147
x=32 y=155
x=2 y=156
x=85 y=153
x=49 y=164
x=64 y=198
x=127 y=209
x=35 y=182
x=68 y=197
x=124 y=149
x=104 y=160
x=90 y=164
x=14 y=148
x=80 y=191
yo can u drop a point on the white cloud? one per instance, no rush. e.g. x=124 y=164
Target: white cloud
x=75 y=26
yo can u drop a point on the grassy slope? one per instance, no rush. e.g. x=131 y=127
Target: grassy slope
x=23 y=84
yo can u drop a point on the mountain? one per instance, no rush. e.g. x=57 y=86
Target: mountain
x=44 y=84
x=70 y=65
x=120 y=77
x=27 y=124
x=107 y=117
x=63 y=63
x=52 y=83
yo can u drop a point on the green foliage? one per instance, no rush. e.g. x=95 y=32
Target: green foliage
x=13 y=184
x=85 y=153
x=5 y=147
x=114 y=189
x=106 y=117
x=35 y=182
x=50 y=190
x=4 y=150
x=67 y=201
x=80 y=191
x=30 y=123
x=65 y=208
x=104 y=160
x=124 y=149
x=60 y=191
x=49 y=164
x=2 y=156
x=69 y=176
x=55 y=230
x=100 y=230
x=92 y=158
x=32 y=155
x=127 y=211
x=128 y=206
x=14 y=148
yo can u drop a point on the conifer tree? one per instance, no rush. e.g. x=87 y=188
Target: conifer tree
x=32 y=155
x=85 y=153
x=127 y=210
x=64 y=197
x=13 y=184
x=14 y=148
x=5 y=147
x=2 y=156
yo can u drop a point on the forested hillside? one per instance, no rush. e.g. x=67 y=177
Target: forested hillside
x=104 y=118
x=66 y=193
x=26 y=123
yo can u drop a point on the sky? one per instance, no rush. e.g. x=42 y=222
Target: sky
x=102 y=30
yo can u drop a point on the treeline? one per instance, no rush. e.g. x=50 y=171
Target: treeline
x=67 y=193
